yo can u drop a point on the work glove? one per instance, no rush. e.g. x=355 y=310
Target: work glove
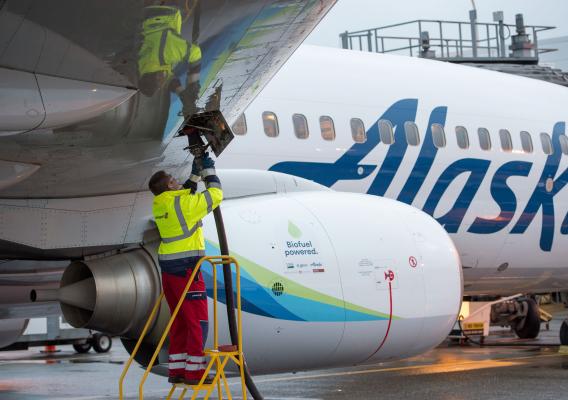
x=207 y=161
x=208 y=173
x=197 y=166
x=208 y=166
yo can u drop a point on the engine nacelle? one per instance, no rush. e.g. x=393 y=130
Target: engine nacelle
x=328 y=279
x=340 y=278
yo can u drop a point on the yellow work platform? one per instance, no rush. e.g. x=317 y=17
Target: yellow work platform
x=220 y=355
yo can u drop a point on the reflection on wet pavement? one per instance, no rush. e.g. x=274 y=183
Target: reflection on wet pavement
x=448 y=372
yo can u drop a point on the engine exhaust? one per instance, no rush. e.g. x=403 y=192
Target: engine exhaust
x=111 y=294
x=81 y=294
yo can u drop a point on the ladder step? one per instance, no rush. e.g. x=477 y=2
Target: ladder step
x=194 y=387
x=228 y=348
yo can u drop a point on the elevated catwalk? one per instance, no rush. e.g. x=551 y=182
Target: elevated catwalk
x=512 y=49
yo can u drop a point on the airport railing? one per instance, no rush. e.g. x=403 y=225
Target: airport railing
x=449 y=39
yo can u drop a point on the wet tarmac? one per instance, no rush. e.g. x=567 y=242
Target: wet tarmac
x=450 y=372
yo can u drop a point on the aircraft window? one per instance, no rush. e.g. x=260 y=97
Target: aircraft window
x=240 y=125
x=506 y=141
x=462 y=137
x=526 y=142
x=327 y=128
x=546 y=143
x=484 y=139
x=438 y=135
x=270 y=123
x=412 y=134
x=358 y=130
x=386 y=131
x=300 y=126
x=564 y=144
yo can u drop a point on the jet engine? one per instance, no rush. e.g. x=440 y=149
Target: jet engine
x=328 y=279
x=110 y=294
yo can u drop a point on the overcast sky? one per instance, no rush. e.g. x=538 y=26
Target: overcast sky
x=354 y=15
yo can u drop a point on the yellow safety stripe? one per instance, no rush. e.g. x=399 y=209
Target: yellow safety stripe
x=187 y=233
x=209 y=201
x=184 y=235
x=183 y=254
x=163 y=40
x=213 y=185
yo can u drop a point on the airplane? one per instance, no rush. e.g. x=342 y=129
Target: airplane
x=454 y=141
x=480 y=151
x=332 y=277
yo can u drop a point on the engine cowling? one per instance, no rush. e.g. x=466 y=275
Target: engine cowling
x=328 y=279
x=322 y=270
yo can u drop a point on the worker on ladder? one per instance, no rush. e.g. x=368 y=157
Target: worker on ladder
x=178 y=211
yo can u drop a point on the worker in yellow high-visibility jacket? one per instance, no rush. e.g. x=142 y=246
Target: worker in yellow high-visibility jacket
x=163 y=52
x=178 y=211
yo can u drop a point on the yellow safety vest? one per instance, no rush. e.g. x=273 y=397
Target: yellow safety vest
x=178 y=216
x=163 y=47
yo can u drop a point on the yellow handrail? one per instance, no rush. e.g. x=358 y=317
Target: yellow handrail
x=213 y=261
x=138 y=343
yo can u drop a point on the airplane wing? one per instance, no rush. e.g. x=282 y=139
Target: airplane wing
x=92 y=92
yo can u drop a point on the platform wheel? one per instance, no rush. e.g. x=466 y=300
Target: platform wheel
x=564 y=333
x=82 y=348
x=101 y=342
x=529 y=328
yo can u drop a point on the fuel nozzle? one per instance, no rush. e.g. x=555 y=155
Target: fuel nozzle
x=195 y=143
x=206 y=130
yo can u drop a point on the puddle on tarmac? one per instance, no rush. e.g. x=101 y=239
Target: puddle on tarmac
x=94 y=361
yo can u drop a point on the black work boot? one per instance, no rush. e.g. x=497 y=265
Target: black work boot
x=193 y=382
x=176 y=379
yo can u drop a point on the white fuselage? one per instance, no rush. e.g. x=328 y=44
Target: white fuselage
x=505 y=210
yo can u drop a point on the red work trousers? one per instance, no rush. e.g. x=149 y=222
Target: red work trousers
x=189 y=330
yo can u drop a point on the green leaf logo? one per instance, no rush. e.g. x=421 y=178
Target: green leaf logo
x=294 y=231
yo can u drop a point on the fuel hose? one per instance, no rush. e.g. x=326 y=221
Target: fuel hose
x=230 y=300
